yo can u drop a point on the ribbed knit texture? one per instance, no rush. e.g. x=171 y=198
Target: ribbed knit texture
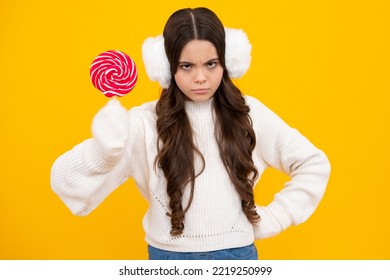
x=83 y=178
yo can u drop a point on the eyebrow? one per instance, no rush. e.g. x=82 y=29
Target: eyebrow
x=190 y=63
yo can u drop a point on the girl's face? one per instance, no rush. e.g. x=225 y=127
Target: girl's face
x=199 y=72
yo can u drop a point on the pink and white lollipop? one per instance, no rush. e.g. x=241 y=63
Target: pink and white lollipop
x=114 y=73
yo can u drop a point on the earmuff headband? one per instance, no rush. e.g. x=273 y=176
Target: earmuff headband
x=237 y=56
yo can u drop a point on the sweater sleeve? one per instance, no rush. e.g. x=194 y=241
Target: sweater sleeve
x=285 y=149
x=83 y=177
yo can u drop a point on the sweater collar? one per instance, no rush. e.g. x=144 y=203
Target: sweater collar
x=199 y=106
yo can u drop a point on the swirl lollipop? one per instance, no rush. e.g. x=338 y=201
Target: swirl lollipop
x=113 y=73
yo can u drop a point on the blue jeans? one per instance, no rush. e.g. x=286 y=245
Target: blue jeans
x=242 y=253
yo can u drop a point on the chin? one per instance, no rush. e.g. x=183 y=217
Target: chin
x=200 y=98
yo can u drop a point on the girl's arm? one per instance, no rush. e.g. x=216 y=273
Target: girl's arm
x=285 y=149
x=84 y=176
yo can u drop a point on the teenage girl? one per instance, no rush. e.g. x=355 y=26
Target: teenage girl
x=197 y=152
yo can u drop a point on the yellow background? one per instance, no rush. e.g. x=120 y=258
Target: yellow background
x=323 y=66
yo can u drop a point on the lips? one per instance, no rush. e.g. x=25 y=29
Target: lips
x=200 y=90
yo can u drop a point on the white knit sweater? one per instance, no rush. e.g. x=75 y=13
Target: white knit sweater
x=83 y=178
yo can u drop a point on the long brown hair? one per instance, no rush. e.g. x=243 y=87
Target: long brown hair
x=234 y=133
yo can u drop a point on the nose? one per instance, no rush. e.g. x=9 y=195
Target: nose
x=200 y=76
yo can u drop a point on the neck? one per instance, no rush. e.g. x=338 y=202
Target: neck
x=199 y=106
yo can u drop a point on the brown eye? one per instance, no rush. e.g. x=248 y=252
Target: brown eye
x=212 y=64
x=185 y=66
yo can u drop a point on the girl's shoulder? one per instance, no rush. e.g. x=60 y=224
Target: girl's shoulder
x=250 y=99
x=261 y=114
x=146 y=110
x=255 y=105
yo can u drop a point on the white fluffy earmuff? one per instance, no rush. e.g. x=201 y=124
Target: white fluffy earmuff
x=237 y=56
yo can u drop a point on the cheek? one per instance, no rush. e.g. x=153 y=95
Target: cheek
x=180 y=81
x=218 y=78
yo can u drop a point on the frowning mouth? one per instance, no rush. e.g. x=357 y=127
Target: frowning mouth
x=200 y=90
